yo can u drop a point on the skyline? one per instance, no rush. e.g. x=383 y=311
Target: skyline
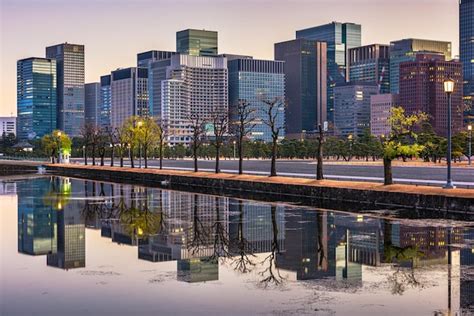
x=110 y=45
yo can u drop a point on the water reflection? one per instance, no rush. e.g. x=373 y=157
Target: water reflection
x=276 y=244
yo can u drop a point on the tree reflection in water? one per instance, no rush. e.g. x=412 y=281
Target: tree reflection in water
x=242 y=247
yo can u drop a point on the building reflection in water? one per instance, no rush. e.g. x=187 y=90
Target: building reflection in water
x=204 y=233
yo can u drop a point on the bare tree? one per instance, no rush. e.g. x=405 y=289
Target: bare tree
x=102 y=144
x=197 y=126
x=86 y=132
x=122 y=142
x=113 y=139
x=220 y=125
x=271 y=119
x=242 y=126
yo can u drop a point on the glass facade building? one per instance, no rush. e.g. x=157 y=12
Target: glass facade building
x=92 y=104
x=370 y=64
x=466 y=49
x=196 y=42
x=70 y=83
x=352 y=108
x=105 y=104
x=340 y=37
x=129 y=94
x=143 y=59
x=36 y=97
x=250 y=80
x=406 y=50
x=305 y=84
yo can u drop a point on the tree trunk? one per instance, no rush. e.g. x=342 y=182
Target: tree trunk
x=132 y=163
x=195 y=158
x=121 y=160
x=102 y=156
x=93 y=155
x=241 y=158
x=145 y=154
x=85 y=156
x=217 y=158
x=387 y=171
x=161 y=155
x=112 y=154
x=273 y=172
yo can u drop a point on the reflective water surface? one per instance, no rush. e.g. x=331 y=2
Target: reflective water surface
x=75 y=247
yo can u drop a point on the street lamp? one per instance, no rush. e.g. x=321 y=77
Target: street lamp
x=84 y=154
x=448 y=89
x=469 y=145
x=140 y=124
x=234 y=142
x=350 y=145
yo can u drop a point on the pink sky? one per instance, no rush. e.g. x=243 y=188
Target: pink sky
x=114 y=31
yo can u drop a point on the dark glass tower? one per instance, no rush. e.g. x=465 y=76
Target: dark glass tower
x=196 y=42
x=340 y=37
x=466 y=49
x=105 y=101
x=305 y=84
x=36 y=97
x=370 y=64
x=70 y=92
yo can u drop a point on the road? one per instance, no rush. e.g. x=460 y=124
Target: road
x=426 y=175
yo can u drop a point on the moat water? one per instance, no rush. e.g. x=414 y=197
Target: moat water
x=76 y=247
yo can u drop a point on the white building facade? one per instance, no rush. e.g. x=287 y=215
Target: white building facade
x=195 y=85
x=8 y=125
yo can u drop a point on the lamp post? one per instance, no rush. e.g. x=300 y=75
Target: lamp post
x=139 y=124
x=84 y=154
x=469 y=145
x=448 y=89
x=234 y=142
x=350 y=146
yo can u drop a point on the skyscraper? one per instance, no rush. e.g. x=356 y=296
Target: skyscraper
x=340 y=37
x=105 y=105
x=370 y=64
x=129 y=94
x=421 y=89
x=156 y=74
x=196 y=42
x=195 y=86
x=36 y=97
x=466 y=49
x=352 y=108
x=406 y=50
x=92 y=104
x=252 y=80
x=305 y=84
x=143 y=59
x=70 y=83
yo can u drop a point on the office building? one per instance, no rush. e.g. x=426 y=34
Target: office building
x=145 y=58
x=422 y=89
x=129 y=94
x=340 y=37
x=252 y=80
x=36 y=97
x=196 y=42
x=380 y=109
x=156 y=62
x=466 y=50
x=370 y=64
x=70 y=86
x=305 y=84
x=195 y=85
x=352 y=108
x=406 y=50
x=8 y=125
x=105 y=103
x=92 y=104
